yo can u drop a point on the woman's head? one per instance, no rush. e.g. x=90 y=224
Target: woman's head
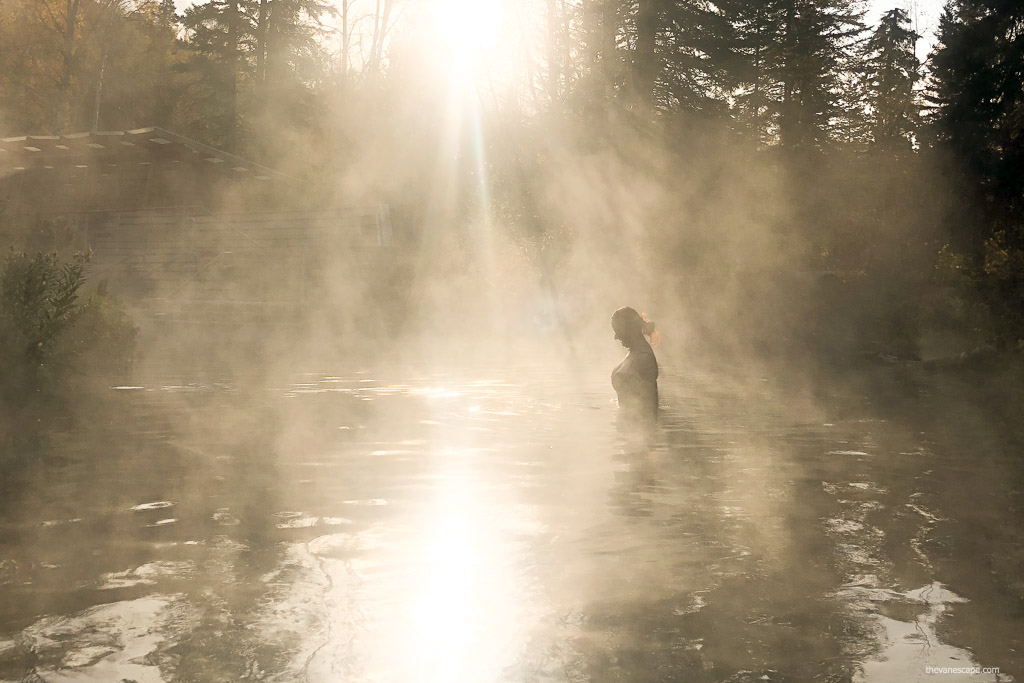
x=630 y=327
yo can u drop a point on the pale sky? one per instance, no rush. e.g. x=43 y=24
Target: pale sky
x=927 y=15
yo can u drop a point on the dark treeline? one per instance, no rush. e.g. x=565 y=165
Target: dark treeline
x=714 y=143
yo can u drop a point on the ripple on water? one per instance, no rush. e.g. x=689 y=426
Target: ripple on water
x=838 y=525
x=307 y=522
x=910 y=645
x=146 y=575
x=533 y=543
x=113 y=642
x=61 y=522
x=223 y=517
x=152 y=506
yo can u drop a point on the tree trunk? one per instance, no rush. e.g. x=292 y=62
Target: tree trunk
x=787 y=124
x=645 y=65
x=345 y=38
x=552 y=50
x=592 y=32
x=759 y=31
x=99 y=93
x=376 y=36
x=600 y=29
x=62 y=115
x=231 y=133
x=566 y=43
x=380 y=35
x=609 y=36
x=261 y=41
x=112 y=8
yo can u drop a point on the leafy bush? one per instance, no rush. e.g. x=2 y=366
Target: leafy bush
x=38 y=296
x=1004 y=282
x=102 y=339
x=44 y=327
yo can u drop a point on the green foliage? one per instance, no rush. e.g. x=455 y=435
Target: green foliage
x=38 y=302
x=62 y=63
x=799 y=54
x=892 y=72
x=45 y=328
x=247 y=60
x=701 y=56
x=1004 y=271
x=978 y=97
x=678 y=77
x=952 y=267
x=102 y=339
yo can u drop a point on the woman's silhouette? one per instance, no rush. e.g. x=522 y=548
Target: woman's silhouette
x=635 y=379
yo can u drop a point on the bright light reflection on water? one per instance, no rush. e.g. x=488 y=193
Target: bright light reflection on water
x=458 y=529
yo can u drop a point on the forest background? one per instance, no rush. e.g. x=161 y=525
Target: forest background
x=772 y=171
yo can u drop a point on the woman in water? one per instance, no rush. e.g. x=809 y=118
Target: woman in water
x=636 y=378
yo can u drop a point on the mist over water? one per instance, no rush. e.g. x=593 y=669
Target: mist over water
x=493 y=524
x=330 y=398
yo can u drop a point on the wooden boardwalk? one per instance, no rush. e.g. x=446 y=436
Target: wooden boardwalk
x=227 y=266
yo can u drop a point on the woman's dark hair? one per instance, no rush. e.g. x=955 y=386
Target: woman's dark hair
x=630 y=320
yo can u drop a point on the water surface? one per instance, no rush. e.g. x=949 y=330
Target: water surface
x=495 y=525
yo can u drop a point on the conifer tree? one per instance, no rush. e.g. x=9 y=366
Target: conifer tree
x=757 y=29
x=979 y=97
x=978 y=93
x=818 y=40
x=699 y=59
x=222 y=32
x=797 y=54
x=285 y=42
x=289 y=64
x=891 y=72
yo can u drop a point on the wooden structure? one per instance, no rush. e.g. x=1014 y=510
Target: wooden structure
x=191 y=265
x=119 y=170
x=146 y=203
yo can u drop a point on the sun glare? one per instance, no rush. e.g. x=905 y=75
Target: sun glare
x=469 y=27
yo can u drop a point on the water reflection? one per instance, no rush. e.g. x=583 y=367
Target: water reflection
x=445 y=528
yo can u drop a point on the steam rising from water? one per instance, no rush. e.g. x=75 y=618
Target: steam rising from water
x=500 y=528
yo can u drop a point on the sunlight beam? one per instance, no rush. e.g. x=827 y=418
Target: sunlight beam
x=468 y=27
